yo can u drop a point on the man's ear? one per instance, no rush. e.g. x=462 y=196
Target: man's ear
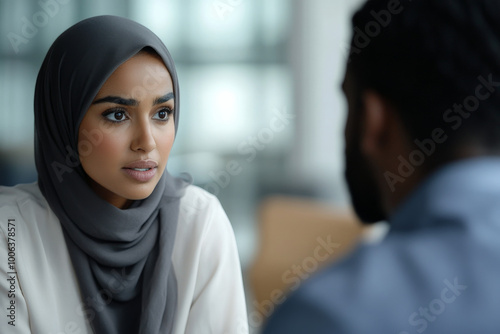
x=378 y=121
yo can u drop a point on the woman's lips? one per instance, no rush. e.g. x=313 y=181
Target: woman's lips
x=141 y=170
x=141 y=175
x=142 y=164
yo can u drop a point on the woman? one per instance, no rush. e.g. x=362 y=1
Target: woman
x=107 y=241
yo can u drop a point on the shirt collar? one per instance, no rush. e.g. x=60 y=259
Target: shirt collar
x=450 y=194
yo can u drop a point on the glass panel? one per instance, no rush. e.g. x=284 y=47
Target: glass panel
x=17 y=84
x=162 y=17
x=16 y=24
x=99 y=7
x=225 y=103
x=223 y=25
x=274 y=21
x=218 y=104
x=62 y=16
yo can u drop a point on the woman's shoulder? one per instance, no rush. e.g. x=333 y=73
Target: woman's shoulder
x=200 y=212
x=26 y=206
x=198 y=199
x=19 y=198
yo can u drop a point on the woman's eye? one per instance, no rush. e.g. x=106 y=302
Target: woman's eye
x=115 y=115
x=163 y=114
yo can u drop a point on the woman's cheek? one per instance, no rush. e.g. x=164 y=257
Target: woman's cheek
x=165 y=143
x=112 y=145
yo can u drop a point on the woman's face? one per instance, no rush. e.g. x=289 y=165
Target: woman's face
x=126 y=135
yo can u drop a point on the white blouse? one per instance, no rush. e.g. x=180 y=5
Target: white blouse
x=39 y=291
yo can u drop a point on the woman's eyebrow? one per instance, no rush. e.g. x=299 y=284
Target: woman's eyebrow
x=117 y=100
x=163 y=99
x=133 y=102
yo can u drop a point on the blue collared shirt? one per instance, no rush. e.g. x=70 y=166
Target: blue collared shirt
x=437 y=270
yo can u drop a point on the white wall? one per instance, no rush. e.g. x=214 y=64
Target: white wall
x=318 y=49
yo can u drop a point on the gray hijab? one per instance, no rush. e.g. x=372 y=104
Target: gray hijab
x=122 y=258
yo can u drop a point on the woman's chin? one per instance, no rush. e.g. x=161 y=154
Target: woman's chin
x=139 y=194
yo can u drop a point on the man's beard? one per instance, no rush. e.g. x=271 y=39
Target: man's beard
x=363 y=187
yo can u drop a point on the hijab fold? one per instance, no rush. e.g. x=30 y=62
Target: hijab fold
x=122 y=258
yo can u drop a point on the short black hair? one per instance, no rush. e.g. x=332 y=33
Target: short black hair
x=428 y=57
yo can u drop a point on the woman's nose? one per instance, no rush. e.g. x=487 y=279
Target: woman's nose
x=143 y=139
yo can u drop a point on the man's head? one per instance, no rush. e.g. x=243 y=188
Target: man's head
x=423 y=87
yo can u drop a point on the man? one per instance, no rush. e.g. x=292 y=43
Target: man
x=422 y=152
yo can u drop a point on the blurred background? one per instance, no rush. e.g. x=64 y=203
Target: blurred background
x=260 y=84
